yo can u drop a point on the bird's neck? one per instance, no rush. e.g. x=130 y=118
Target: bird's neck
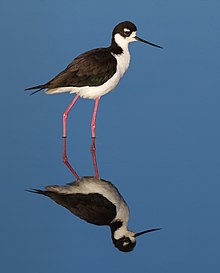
x=118 y=228
x=122 y=55
x=116 y=225
x=119 y=45
x=115 y=48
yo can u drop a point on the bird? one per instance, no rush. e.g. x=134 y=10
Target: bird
x=96 y=72
x=98 y=202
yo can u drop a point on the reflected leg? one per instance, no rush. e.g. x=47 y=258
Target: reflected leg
x=93 y=151
x=65 y=160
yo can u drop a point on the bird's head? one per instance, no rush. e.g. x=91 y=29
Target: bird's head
x=125 y=243
x=124 y=239
x=125 y=32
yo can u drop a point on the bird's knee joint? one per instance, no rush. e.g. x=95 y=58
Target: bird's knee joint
x=65 y=115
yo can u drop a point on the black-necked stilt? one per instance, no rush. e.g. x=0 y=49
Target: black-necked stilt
x=95 y=72
x=98 y=202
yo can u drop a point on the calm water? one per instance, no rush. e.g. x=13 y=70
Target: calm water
x=158 y=136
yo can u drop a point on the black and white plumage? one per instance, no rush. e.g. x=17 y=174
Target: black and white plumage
x=95 y=72
x=98 y=71
x=98 y=202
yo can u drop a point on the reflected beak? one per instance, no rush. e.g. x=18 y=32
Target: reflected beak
x=146 y=42
x=146 y=231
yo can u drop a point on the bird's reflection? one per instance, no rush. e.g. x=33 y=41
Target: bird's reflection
x=96 y=201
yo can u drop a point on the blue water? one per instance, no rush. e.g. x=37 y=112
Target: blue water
x=158 y=136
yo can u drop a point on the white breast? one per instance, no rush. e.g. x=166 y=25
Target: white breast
x=123 y=61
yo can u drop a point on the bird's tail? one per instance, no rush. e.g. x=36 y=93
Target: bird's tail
x=38 y=191
x=38 y=87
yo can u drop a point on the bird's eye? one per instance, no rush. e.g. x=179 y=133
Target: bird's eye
x=126 y=241
x=127 y=32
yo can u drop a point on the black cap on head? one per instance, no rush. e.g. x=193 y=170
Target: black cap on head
x=124 y=244
x=120 y=27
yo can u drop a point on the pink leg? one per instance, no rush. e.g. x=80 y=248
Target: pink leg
x=65 y=114
x=66 y=162
x=93 y=123
x=93 y=151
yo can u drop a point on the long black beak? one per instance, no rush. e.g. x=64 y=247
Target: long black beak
x=144 y=41
x=146 y=231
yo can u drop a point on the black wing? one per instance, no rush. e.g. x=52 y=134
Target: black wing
x=93 y=208
x=91 y=68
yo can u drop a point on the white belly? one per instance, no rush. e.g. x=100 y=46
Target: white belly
x=92 y=92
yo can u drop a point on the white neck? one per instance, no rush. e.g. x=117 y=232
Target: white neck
x=121 y=41
x=123 y=59
x=123 y=231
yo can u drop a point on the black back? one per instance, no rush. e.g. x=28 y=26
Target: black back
x=92 y=68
